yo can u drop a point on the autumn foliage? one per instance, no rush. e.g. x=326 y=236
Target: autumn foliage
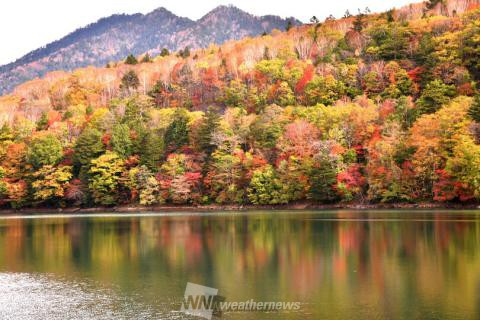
x=384 y=111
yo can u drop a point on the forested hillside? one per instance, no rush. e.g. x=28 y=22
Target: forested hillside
x=367 y=108
x=112 y=38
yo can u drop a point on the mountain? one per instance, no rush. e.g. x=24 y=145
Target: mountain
x=113 y=38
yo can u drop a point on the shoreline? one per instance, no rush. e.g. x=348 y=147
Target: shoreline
x=217 y=208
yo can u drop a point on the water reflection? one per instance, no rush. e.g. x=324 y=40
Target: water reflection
x=340 y=265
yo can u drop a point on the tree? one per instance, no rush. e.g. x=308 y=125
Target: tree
x=42 y=123
x=266 y=53
x=161 y=93
x=299 y=139
x=185 y=53
x=164 y=52
x=179 y=179
x=153 y=149
x=427 y=58
x=273 y=69
x=464 y=164
x=45 y=150
x=390 y=16
x=51 y=182
x=146 y=185
x=3 y=184
x=105 y=174
x=130 y=82
x=289 y=25
x=389 y=43
x=235 y=94
x=323 y=178
x=225 y=180
x=146 y=58
x=266 y=187
x=470 y=49
x=434 y=137
x=185 y=188
x=431 y=4
x=474 y=111
x=131 y=59
x=324 y=90
x=293 y=175
x=350 y=183
x=121 y=141
x=267 y=128
x=209 y=125
x=359 y=22
x=435 y=95
x=88 y=146
x=176 y=135
x=284 y=95
x=75 y=192
x=6 y=133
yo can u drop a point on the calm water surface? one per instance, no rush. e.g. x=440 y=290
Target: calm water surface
x=338 y=264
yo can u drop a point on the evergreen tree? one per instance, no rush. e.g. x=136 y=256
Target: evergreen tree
x=430 y=4
x=164 y=52
x=160 y=93
x=89 y=146
x=289 y=25
x=89 y=110
x=209 y=125
x=359 y=22
x=266 y=53
x=130 y=81
x=42 y=123
x=390 y=17
x=6 y=133
x=153 y=150
x=323 y=178
x=435 y=95
x=474 y=111
x=185 y=53
x=470 y=48
x=131 y=59
x=146 y=58
x=121 y=141
x=176 y=135
x=425 y=56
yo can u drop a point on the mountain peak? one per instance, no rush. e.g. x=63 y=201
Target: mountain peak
x=229 y=7
x=225 y=10
x=162 y=11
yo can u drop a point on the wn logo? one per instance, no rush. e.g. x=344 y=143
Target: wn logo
x=202 y=301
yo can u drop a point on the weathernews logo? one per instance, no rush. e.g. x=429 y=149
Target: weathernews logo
x=205 y=302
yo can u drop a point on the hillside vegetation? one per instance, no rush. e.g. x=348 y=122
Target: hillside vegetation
x=367 y=108
x=112 y=38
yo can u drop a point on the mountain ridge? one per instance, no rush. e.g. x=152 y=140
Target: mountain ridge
x=112 y=38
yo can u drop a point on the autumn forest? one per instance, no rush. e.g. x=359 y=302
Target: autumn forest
x=367 y=108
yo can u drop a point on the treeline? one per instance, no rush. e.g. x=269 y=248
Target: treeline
x=385 y=112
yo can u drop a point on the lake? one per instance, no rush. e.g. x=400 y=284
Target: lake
x=337 y=264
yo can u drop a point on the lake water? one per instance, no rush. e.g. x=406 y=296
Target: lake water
x=337 y=264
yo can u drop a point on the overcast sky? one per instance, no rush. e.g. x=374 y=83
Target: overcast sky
x=28 y=24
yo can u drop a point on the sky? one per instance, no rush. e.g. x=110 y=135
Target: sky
x=26 y=25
